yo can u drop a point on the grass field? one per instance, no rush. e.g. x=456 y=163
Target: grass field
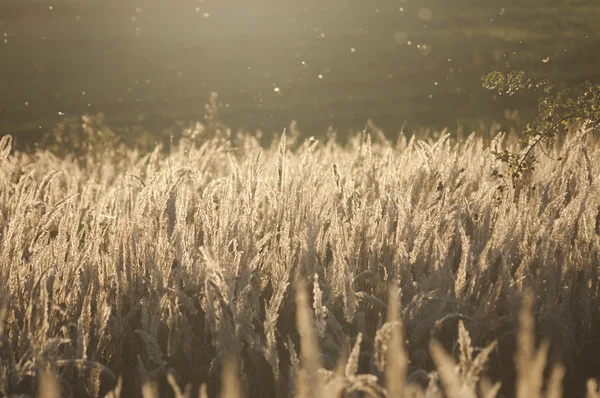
x=152 y=64
x=187 y=268
x=144 y=254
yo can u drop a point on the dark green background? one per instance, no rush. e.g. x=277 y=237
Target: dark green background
x=154 y=62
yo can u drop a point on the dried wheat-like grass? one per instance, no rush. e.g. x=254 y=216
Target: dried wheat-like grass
x=49 y=385
x=309 y=379
x=161 y=268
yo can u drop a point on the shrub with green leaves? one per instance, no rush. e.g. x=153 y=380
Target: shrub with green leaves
x=559 y=111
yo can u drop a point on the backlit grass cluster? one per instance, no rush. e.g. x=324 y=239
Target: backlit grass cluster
x=311 y=269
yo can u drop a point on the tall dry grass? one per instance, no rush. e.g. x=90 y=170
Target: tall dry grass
x=307 y=268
